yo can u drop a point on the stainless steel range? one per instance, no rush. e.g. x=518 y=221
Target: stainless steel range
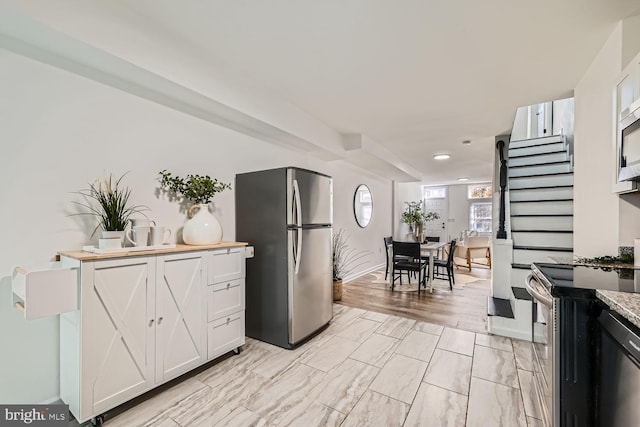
x=544 y=359
x=569 y=348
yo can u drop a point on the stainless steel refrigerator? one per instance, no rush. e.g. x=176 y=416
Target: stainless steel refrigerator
x=287 y=215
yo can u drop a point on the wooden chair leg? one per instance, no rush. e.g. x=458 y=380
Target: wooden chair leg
x=469 y=259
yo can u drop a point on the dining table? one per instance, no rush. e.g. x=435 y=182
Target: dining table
x=428 y=248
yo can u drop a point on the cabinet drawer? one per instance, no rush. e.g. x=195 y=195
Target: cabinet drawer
x=226 y=264
x=225 y=298
x=46 y=290
x=225 y=334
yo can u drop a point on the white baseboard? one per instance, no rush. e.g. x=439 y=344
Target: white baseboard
x=51 y=401
x=354 y=276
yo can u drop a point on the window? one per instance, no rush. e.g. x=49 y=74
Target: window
x=480 y=217
x=479 y=191
x=434 y=192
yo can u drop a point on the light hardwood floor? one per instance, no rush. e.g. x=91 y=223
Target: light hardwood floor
x=465 y=307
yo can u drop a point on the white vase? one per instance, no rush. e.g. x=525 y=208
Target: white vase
x=202 y=228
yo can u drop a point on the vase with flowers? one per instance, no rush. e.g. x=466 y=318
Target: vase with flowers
x=415 y=217
x=108 y=200
x=202 y=227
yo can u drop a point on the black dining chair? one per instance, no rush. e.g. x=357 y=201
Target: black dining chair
x=411 y=262
x=387 y=243
x=431 y=239
x=447 y=264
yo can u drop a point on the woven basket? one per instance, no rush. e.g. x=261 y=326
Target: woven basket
x=337 y=290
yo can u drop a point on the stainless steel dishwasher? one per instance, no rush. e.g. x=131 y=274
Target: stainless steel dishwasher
x=618 y=372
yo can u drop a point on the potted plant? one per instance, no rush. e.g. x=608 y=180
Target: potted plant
x=202 y=228
x=415 y=217
x=345 y=259
x=108 y=200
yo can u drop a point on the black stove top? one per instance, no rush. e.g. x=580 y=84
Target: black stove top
x=566 y=278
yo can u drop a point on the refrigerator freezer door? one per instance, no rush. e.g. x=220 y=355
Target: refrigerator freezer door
x=309 y=198
x=310 y=289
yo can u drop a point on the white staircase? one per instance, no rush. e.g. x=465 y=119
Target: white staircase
x=540 y=189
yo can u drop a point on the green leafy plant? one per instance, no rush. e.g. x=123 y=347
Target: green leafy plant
x=413 y=214
x=108 y=200
x=345 y=259
x=196 y=188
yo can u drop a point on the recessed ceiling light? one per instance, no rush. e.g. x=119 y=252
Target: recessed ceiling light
x=466 y=142
x=441 y=156
x=463 y=179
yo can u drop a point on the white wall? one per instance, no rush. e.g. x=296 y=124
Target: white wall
x=59 y=132
x=595 y=206
x=603 y=220
x=369 y=239
x=404 y=192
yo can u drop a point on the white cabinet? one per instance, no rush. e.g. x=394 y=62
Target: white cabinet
x=181 y=314
x=225 y=302
x=143 y=320
x=46 y=290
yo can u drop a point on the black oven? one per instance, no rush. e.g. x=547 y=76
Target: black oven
x=629 y=144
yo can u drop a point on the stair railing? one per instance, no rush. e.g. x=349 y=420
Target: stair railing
x=502 y=232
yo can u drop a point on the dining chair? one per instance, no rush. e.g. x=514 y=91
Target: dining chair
x=387 y=243
x=412 y=262
x=447 y=264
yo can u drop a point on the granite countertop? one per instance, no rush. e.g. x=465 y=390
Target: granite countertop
x=624 y=303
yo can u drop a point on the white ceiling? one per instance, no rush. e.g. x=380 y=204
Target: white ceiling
x=415 y=76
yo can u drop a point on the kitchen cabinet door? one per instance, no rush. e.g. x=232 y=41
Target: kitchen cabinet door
x=181 y=316
x=118 y=331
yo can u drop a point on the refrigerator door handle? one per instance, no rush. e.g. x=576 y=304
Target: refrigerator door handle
x=294 y=249
x=298 y=251
x=296 y=195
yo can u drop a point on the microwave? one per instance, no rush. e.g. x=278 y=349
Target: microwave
x=629 y=143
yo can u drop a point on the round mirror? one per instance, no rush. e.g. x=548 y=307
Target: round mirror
x=363 y=205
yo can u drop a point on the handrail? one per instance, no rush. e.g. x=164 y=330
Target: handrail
x=502 y=232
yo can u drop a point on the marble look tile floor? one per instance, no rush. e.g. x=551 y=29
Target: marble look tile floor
x=366 y=369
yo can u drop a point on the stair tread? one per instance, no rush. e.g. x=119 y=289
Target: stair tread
x=542 y=231
x=521 y=293
x=536 y=145
x=521 y=266
x=540 y=215
x=534 y=154
x=540 y=200
x=499 y=307
x=543 y=248
x=541 y=188
x=560 y=137
x=538 y=175
x=561 y=162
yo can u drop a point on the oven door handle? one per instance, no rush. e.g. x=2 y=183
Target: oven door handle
x=537 y=291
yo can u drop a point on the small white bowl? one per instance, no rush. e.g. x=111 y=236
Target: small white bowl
x=109 y=243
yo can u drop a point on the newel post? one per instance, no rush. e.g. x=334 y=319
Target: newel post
x=502 y=233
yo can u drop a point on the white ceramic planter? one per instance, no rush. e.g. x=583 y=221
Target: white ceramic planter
x=111 y=235
x=202 y=228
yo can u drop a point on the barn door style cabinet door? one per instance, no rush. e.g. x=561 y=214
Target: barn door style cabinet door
x=142 y=321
